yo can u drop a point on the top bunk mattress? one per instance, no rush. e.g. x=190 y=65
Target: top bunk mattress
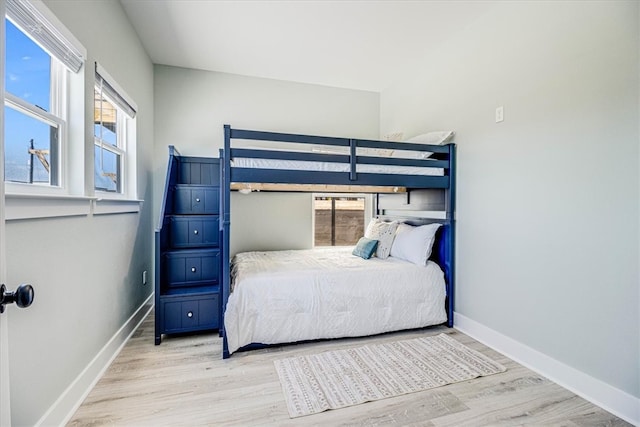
x=299 y=165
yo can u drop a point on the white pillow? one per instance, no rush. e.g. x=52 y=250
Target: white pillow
x=414 y=244
x=383 y=232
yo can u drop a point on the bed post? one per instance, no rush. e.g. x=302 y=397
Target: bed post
x=225 y=221
x=451 y=236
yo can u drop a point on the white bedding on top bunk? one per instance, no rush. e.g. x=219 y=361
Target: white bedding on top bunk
x=243 y=162
x=289 y=296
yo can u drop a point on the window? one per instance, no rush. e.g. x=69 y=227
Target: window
x=339 y=220
x=109 y=143
x=113 y=138
x=34 y=109
x=38 y=58
x=46 y=151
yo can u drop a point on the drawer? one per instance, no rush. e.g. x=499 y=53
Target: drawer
x=183 y=314
x=196 y=199
x=191 y=267
x=194 y=231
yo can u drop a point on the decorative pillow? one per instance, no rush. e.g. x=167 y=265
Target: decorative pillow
x=414 y=244
x=365 y=248
x=384 y=233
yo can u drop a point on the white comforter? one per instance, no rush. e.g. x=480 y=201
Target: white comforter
x=289 y=296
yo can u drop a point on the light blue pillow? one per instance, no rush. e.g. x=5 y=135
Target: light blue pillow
x=365 y=248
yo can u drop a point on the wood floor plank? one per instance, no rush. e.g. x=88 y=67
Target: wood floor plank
x=184 y=381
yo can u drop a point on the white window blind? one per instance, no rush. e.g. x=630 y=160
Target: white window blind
x=118 y=96
x=40 y=29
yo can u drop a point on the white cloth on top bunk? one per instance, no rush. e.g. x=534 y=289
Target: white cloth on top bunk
x=243 y=162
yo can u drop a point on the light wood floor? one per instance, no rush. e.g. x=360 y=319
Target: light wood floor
x=184 y=382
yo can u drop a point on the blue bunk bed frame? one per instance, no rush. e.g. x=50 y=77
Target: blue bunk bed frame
x=443 y=157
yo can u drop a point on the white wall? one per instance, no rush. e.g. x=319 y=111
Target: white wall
x=86 y=270
x=547 y=244
x=192 y=106
x=282 y=221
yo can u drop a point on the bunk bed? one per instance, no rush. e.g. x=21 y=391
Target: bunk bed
x=412 y=183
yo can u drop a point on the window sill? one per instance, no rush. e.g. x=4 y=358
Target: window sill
x=27 y=206
x=115 y=206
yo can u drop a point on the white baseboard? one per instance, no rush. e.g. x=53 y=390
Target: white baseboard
x=607 y=397
x=70 y=400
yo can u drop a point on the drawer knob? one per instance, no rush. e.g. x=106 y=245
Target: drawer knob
x=190 y=314
x=195 y=232
x=198 y=199
x=193 y=269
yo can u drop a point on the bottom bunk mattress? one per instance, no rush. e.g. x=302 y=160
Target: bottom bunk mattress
x=298 y=295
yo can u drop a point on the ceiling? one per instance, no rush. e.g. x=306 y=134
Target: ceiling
x=359 y=44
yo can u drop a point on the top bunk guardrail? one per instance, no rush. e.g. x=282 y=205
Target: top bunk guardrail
x=281 y=158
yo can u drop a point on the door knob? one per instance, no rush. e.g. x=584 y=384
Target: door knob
x=22 y=296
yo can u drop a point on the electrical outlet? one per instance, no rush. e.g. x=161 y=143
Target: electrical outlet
x=499 y=114
x=144 y=277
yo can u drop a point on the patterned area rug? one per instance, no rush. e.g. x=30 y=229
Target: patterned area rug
x=336 y=379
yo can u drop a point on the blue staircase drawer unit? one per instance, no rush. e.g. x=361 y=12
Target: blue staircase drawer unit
x=192 y=267
x=194 y=231
x=196 y=199
x=190 y=314
x=188 y=253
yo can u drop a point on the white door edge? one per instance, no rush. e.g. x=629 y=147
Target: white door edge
x=5 y=397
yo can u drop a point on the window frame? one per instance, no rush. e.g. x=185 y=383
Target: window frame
x=125 y=136
x=120 y=149
x=57 y=116
x=368 y=209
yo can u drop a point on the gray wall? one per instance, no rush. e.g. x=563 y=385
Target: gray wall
x=282 y=221
x=86 y=270
x=547 y=244
x=192 y=106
